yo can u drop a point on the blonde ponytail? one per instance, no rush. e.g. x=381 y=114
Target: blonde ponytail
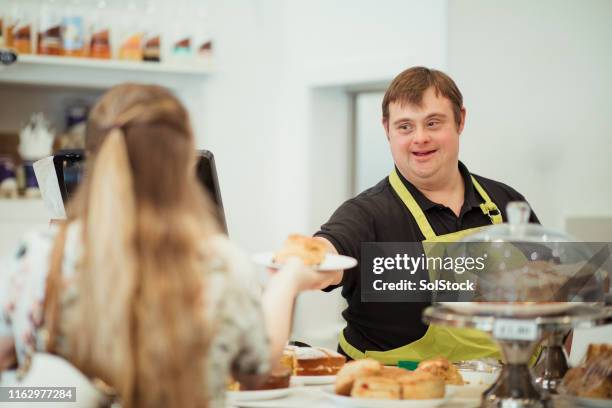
x=110 y=264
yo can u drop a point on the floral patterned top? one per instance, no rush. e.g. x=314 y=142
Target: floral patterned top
x=234 y=306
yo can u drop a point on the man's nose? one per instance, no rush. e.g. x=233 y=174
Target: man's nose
x=421 y=135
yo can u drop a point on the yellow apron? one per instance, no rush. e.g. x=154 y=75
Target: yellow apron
x=453 y=343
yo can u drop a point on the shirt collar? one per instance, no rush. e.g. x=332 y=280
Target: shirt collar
x=470 y=198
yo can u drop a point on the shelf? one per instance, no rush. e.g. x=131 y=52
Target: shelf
x=99 y=74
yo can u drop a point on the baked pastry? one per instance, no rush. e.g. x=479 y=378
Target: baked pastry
x=393 y=372
x=376 y=387
x=279 y=378
x=353 y=370
x=597 y=350
x=310 y=250
x=232 y=385
x=287 y=358
x=593 y=379
x=314 y=360
x=441 y=367
x=421 y=385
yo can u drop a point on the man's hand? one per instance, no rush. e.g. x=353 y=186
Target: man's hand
x=329 y=277
x=306 y=278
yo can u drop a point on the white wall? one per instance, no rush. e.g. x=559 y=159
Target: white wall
x=276 y=114
x=373 y=159
x=536 y=80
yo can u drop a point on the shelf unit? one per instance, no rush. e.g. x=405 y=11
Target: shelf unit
x=99 y=74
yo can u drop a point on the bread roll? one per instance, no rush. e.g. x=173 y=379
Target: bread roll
x=310 y=250
x=393 y=372
x=354 y=369
x=376 y=388
x=441 y=367
x=421 y=385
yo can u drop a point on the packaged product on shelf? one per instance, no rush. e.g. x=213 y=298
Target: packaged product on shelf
x=203 y=38
x=74 y=135
x=49 y=29
x=73 y=30
x=19 y=29
x=180 y=42
x=8 y=177
x=35 y=141
x=203 y=47
x=131 y=34
x=151 y=44
x=2 y=19
x=100 y=29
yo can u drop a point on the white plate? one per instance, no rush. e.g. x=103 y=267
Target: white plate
x=510 y=309
x=313 y=379
x=382 y=403
x=260 y=395
x=331 y=262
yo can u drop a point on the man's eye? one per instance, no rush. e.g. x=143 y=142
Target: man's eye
x=433 y=123
x=405 y=127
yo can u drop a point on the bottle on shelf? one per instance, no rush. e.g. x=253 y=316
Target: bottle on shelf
x=152 y=41
x=203 y=47
x=19 y=32
x=180 y=44
x=131 y=33
x=73 y=30
x=100 y=40
x=3 y=17
x=49 y=28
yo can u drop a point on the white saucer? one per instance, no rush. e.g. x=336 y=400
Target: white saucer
x=259 y=395
x=313 y=379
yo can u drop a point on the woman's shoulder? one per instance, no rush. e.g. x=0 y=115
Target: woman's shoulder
x=231 y=277
x=225 y=257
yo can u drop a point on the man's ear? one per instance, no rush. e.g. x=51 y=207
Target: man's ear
x=385 y=123
x=462 y=124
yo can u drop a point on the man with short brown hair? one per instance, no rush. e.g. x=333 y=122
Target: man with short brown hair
x=429 y=196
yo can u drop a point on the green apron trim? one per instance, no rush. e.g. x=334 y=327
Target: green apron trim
x=456 y=344
x=413 y=207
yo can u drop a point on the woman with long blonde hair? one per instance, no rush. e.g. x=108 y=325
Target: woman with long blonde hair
x=138 y=288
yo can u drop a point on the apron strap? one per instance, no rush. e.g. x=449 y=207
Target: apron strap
x=412 y=205
x=350 y=351
x=488 y=207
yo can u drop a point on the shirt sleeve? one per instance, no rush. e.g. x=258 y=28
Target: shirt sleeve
x=22 y=284
x=240 y=336
x=348 y=227
x=9 y=265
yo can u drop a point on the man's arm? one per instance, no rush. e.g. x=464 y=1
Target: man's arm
x=329 y=278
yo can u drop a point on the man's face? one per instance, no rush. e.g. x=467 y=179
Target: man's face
x=424 y=140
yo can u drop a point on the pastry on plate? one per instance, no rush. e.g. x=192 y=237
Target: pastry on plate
x=393 y=372
x=232 y=385
x=310 y=250
x=279 y=378
x=421 y=385
x=310 y=361
x=441 y=367
x=355 y=369
x=376 y=387
x=592 y=379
